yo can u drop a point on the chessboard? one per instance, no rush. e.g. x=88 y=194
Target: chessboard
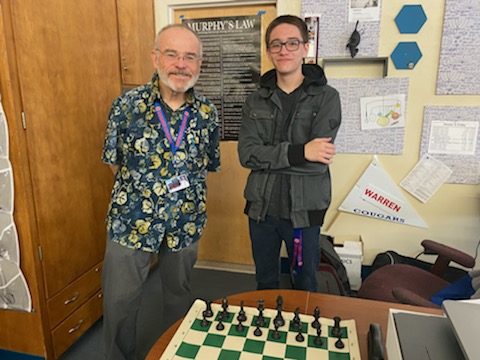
x=220 y=331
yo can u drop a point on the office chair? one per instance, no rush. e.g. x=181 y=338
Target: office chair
x=413 y=285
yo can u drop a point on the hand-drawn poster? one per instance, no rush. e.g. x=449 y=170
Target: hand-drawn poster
x=350 y=137
x=231 y=65
x=380 y=112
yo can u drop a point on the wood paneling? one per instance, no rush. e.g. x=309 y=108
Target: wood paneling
x=68 y=65
x=136 y=30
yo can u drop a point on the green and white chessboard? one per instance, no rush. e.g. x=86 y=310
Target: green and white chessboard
x=194 y=341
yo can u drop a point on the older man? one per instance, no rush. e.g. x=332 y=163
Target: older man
x=161 y=140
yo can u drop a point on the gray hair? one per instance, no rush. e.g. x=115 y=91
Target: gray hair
x=178 y=26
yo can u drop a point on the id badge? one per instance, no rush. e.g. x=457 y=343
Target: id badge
x=177 y=183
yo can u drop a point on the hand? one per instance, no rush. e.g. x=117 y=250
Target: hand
x=320 y=150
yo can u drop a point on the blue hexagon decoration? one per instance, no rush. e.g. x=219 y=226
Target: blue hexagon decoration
x=410 y=19
x=406 y=55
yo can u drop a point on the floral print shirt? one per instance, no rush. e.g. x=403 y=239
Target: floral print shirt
x=142 y=212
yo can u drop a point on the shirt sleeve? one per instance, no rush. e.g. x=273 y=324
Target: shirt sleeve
x=111 y=153
x=214 y=133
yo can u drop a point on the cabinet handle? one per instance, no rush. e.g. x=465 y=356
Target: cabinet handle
x=76 y=327
x=125 y=68
x=72 y=299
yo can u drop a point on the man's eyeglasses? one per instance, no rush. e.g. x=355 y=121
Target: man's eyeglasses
x=174 y=56
x=291 y=45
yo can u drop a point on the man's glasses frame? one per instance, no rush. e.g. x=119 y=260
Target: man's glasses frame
x=172 y=55
x=291 y=45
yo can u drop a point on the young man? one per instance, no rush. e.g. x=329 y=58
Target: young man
x=161 y=140
x=286 y=139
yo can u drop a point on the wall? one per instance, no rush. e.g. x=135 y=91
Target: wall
x=453 y=213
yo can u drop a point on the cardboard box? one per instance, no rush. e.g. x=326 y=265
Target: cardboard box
x=350 y=250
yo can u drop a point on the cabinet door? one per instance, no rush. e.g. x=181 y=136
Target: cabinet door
x=67 y=53
x=136 y=31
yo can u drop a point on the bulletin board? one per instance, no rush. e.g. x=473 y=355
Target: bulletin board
x=334 y=25
x=350 y=137
x=458 y=72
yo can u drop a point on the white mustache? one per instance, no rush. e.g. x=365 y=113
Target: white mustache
x=181 y=73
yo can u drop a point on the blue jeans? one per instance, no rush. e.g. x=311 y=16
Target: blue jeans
x=267 y=236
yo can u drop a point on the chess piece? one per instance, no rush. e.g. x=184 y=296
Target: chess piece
x=224 y=313
x=279 y=319
x=339 y=343
x=220 y=325
x=241 y=314
x=208 y=311
x=299 y=337
x=276 y=333
x=260 y=321
x=296 y=323
x=240 y=327
x=258 y=331
x=204 y=322
x=316 y=315
x=336 y=330
x=318 y=339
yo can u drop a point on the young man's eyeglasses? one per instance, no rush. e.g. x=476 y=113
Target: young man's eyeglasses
x=291 y=45
x=172 y=55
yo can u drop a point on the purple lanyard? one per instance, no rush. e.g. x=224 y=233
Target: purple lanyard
x=297 y=258
x=166 y=129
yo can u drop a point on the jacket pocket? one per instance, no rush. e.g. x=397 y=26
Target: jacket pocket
x=265 y=124
x=256 y=184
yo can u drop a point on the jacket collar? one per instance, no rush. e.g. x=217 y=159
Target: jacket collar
x=313 y=84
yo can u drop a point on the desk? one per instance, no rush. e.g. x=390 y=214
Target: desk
x=364 y=312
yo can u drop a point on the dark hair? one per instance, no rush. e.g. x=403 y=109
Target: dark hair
x=287 y=19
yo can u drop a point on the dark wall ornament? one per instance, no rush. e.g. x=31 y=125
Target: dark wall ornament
x=354 y=41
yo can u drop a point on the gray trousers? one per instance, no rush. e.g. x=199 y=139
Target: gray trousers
x=125 y=272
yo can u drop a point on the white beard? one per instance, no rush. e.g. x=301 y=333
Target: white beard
x=164 y=78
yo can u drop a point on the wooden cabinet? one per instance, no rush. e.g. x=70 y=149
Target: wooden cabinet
x=59 y=72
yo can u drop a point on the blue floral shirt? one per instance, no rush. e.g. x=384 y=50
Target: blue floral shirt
x=142 y=212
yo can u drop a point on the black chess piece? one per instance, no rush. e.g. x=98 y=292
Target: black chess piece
x=336 y=330
x=300 y=337
x=224 y=313
x=296 y=323
x=279 y=303
x=240 y=327
x=241 y=314
x=258 y=331
x=316 y=315
x=204 y=322
x=208 y=311
x=276 y=333
x=318 y=339
x=220 y=325
x=279 y=319
x=260 y=321
x=339 y=343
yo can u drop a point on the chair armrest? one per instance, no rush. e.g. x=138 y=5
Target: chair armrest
x=405 y=296
x=449 y=253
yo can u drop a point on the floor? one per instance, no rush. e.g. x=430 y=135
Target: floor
x=206 y=284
